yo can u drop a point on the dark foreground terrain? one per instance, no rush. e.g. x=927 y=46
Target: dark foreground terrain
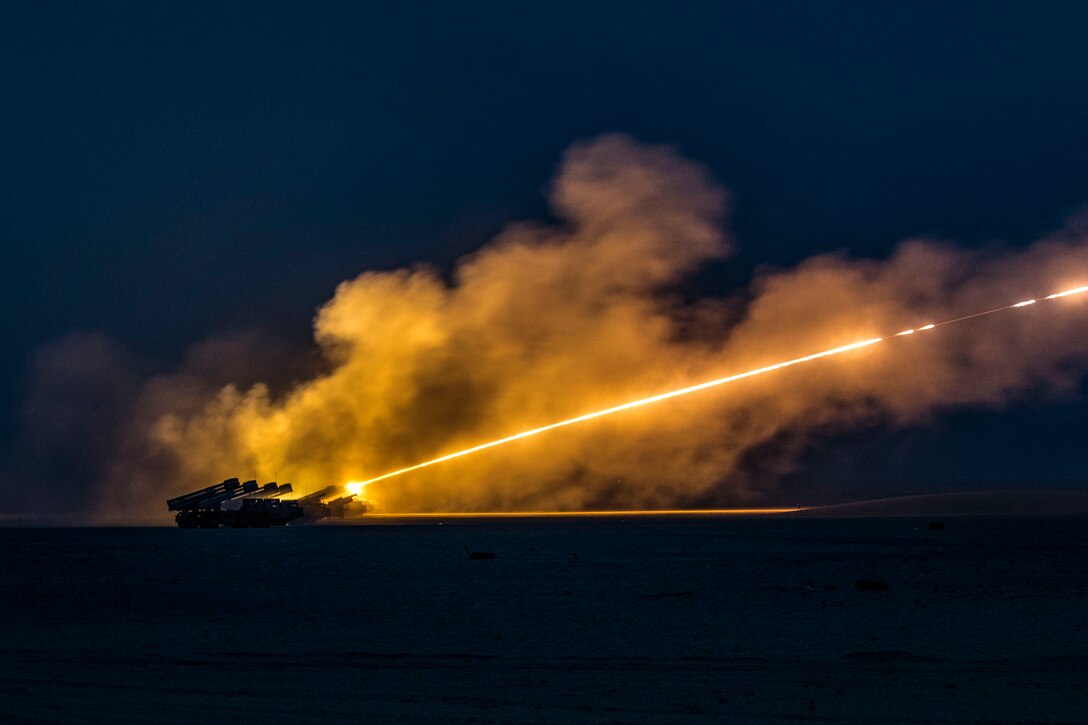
x=576 y=620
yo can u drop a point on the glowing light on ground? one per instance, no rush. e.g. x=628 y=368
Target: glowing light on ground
x=356 y=487
x=562 y=514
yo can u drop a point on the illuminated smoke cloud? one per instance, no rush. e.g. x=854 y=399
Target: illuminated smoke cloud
x=549 y=321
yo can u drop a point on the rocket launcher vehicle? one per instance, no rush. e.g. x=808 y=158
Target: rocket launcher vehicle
x=261 y=506
x=316 y=507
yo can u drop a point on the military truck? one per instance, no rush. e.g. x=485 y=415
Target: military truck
x=260 y=506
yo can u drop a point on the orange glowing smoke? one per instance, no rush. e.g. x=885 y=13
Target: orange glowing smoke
x=576 y=313
x=357 y=487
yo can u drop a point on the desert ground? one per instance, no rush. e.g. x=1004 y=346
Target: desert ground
x=614 y=620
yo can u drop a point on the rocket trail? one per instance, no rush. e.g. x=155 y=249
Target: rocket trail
x=356 y=487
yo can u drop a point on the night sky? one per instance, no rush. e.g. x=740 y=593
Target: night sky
x=172 y=170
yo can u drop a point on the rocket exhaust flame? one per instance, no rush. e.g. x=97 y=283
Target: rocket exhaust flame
x=1074 y=291
x=356 y=487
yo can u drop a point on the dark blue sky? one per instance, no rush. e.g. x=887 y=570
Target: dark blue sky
x=170 y=170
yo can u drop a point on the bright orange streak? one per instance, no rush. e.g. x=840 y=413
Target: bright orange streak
x=356 y=487
x=556 y=514
x=626 y=406
x=1074 y=291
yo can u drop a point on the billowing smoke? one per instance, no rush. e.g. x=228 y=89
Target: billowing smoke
x=553 y=320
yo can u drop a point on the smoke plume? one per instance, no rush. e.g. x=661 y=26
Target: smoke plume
x=551 y=320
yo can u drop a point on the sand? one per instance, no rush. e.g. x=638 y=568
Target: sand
x=685 y=619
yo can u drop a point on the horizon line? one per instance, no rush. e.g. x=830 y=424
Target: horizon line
x=607 y=512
